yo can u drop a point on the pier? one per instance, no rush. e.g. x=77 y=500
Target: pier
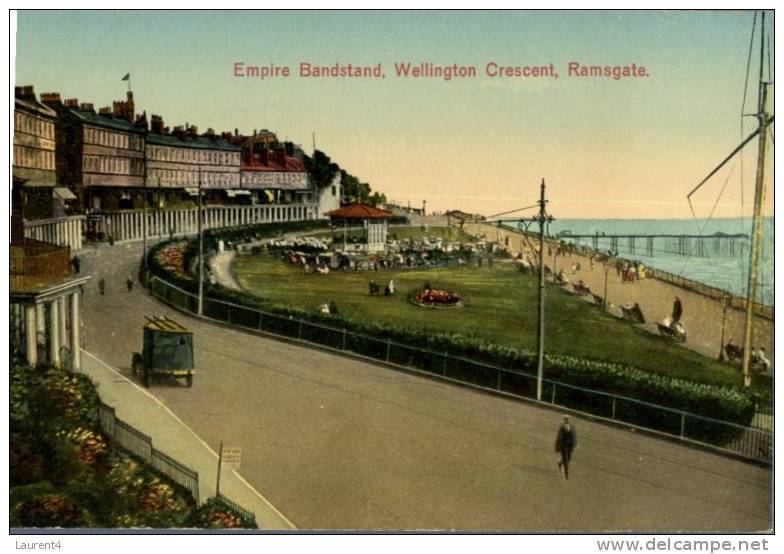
x=702 y=246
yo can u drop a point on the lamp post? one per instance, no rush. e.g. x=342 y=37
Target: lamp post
x=610 y=255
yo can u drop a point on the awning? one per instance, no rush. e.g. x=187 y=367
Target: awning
x=233 y=193
x=64 y=193
x=193 y=191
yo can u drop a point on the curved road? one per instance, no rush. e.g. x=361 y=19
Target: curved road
x=336 y=443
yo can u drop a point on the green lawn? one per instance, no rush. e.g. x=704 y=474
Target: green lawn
x=500 y=306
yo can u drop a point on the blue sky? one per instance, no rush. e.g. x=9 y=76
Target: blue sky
x=607 y=148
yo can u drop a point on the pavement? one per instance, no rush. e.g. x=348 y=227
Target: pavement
x=338 y=443
x=169 y=434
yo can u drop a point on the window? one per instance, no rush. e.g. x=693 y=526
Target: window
x=334 y=190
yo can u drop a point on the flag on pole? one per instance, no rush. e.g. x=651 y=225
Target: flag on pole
x=127 y=77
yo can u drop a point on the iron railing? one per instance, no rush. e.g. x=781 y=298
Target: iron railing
x=750 y=442
x=140 y=445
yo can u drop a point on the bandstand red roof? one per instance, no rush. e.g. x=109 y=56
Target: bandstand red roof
x=359 y=211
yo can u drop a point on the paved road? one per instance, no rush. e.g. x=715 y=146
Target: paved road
x=336 y=443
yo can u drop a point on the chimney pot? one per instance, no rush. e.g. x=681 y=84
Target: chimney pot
x=50 y=97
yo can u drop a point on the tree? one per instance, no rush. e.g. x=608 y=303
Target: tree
x=353 y=189
x=378 y=198
x=321 y=169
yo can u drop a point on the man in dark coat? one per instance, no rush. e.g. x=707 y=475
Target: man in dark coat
x=677 y=310
x=565 y=443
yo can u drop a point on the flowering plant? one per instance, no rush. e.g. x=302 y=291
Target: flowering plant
x=437 y=297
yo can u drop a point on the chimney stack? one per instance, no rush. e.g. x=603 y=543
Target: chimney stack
x=141 y=121
x=72 y=103
x=156 y=124
x=87 y=106
x=25 y=92
x=124 y=110
x=50 y=98
x=106 y=111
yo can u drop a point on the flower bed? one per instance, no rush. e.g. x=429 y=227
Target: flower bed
x=171 y=257
x=437 y=298
x=64 y=473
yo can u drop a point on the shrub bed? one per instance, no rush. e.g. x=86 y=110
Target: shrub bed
x=65 y=473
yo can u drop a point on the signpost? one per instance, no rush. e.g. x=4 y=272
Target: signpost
x=231 y=458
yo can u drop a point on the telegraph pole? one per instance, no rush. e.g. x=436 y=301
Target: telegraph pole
x=201 y=254
x=542 y=218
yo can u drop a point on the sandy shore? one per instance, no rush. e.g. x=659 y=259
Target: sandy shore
x=702 y=316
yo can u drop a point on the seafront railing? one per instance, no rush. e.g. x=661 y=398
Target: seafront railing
x=736 y=302
x=747 y=442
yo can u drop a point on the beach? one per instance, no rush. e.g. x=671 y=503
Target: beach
x=702 y=316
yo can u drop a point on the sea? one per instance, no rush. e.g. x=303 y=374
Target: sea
x=725 y=272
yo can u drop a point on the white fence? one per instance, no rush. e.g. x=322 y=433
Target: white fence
x=63 y=231
x=130 y=225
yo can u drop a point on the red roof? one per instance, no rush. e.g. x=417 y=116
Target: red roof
x=292 y=164
x=360 y=211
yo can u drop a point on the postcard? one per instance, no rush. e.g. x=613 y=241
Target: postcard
x=393 y=271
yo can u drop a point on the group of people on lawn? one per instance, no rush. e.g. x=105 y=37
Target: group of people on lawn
x=375 y=288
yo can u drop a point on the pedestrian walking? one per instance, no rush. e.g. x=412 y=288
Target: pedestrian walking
x=129 y=283
x=102 y=286
x=677 y=310
x=565 y=442
x=76 y=264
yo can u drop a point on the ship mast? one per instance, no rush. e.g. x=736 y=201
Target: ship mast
x=759 y=197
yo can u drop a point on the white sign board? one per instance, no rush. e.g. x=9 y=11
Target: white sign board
x=231 y=457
